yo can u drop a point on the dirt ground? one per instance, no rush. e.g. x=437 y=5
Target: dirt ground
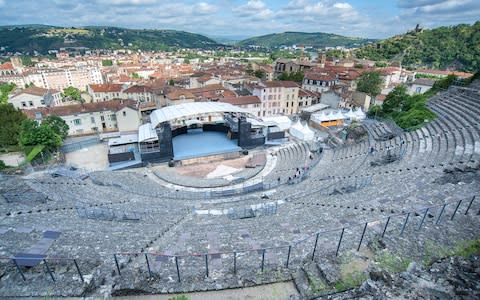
x=202 y=170
x=12 y=159
x=275 y=291
x=91 y=158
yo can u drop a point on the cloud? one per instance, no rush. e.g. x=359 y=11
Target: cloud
x=245 y=17
x=130 y=2
x=432 y=13
x=254 y=10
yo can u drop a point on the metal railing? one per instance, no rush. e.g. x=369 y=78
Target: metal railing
x=282 y=256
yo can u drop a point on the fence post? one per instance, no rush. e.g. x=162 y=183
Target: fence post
x=48 y=269
x=178 y=270
x=234 y=262
x=469 y=205
x=19 y=270
x=206 y=264
x=263 y=259
x=340 y=241
x=148 y=265
x=440 y=215
x=456 y=208
x=116 y=263
x=288 y=255
x=315 y=247
x=363 y=234
x=385 y=228
x=78 y=269
x=405 y=223
x=423 y=219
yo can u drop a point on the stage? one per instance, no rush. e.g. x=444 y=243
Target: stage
x=199 y=143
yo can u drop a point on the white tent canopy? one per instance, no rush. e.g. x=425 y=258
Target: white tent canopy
x=302 y=132
x=359 y=114
x=328 y=116
x=179 y=111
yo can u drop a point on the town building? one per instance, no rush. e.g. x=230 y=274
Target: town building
x=278 y=97
x=251 y=103
x=319 y=81
x=421 y=85
x=92 y=118
x=105 y=92
x=35 y=97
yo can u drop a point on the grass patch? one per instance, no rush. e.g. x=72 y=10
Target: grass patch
x=391 y=262
x=34 y=152
x=318 y=286
x=387 y=260
x=182 y=297
x=465 y=249
x=350 y=280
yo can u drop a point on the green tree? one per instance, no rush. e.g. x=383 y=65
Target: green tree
x=58 y=125
x=250 y=70
x=395 y=100
x=11 y=118
x=444 y=83
x=107 y=62
x=293 y=76
x=33 y=134
x=72 y=93
x=370 y=83
x=260 y=73
x=27 y=61
x=5 y=89
x=171 y=82
x=135 y=75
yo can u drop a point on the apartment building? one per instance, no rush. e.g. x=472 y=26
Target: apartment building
x=60 y=79
x=105 y=92
x=92 y=118
x=35 y=97
x=277 y=97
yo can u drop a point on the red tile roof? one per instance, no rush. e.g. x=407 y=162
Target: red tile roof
x=113 y=105
x=6 y=66
x=445 y=73
x=320 y=76
x=278 y=83
x=106 y=88
x=135 y=89
x=176 y=94
x=307 y=93
x=34 y=90
x=243 y=100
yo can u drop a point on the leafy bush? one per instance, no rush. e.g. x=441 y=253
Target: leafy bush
x=34 y=152
x=11 y=118
x=3 y=166
x=408 y=112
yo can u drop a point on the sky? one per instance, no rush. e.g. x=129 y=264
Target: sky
x=240 y=19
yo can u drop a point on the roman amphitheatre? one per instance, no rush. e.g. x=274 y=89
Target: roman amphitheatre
x=318 y=216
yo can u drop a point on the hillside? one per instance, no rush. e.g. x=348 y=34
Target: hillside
x=456 y=47
x=43 y=38
x=315 y=39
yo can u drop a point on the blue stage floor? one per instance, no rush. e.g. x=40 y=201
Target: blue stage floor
x=197 y=143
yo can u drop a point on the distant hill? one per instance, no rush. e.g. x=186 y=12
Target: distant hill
x=456 y=47
x=41 y=38
x=316 y=40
